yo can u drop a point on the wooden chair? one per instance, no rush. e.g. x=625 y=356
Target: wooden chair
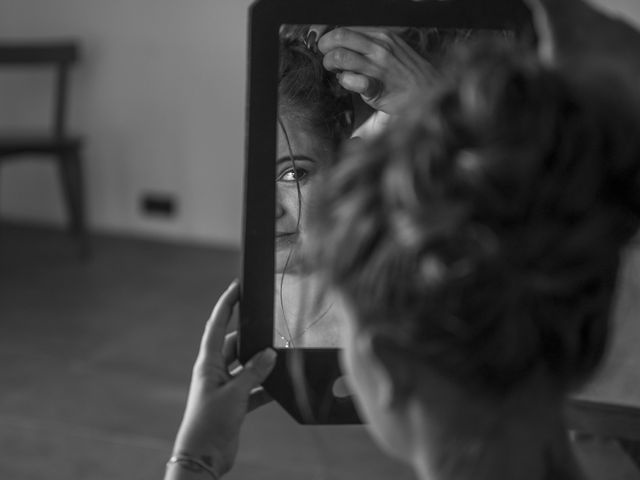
x=56 y=144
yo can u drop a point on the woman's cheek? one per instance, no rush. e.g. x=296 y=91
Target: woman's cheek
x=289 y=196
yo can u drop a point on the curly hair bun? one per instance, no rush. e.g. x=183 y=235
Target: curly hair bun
x=484 y=229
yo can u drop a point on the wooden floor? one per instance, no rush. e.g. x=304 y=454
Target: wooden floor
x=95 y=360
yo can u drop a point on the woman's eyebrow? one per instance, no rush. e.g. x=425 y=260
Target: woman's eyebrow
x=288 y=158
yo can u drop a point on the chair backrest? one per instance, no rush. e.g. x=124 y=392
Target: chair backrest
x=59 y=55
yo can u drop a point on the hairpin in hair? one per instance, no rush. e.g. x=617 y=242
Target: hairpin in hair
x=311 y=41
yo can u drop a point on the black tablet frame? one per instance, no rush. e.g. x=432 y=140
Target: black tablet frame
x=318 y=367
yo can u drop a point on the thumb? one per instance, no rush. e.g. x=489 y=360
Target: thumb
x=256 y=370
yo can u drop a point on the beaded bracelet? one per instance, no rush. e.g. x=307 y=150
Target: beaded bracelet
x=192 y=464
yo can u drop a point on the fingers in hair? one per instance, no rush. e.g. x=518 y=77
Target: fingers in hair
x=340 y=59
x=346 y=38
x=361 y=84
x=318 y=30
x=395 y=51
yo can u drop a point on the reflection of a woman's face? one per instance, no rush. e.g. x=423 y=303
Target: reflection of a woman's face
x=297 y=162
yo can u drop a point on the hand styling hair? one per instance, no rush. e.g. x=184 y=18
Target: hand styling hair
x=311 y=95
x=484 y=230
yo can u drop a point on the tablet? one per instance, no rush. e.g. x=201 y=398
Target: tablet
x=283 y=304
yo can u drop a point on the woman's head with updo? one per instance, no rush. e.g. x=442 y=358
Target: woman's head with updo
x=483 y=231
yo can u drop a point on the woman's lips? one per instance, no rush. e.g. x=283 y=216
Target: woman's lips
x=286 y=238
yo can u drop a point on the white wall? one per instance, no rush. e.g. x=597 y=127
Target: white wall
x=160 y=97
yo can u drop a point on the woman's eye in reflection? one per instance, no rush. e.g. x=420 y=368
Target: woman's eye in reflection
x=293 y=175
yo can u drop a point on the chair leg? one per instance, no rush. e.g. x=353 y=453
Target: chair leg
x=71 y=176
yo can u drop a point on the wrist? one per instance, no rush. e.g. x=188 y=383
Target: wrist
x=194 y=442
x=196 y=445
x=182 y=466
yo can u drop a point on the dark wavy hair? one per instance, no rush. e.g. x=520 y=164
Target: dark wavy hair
x=311 y=95
x=484 y=230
